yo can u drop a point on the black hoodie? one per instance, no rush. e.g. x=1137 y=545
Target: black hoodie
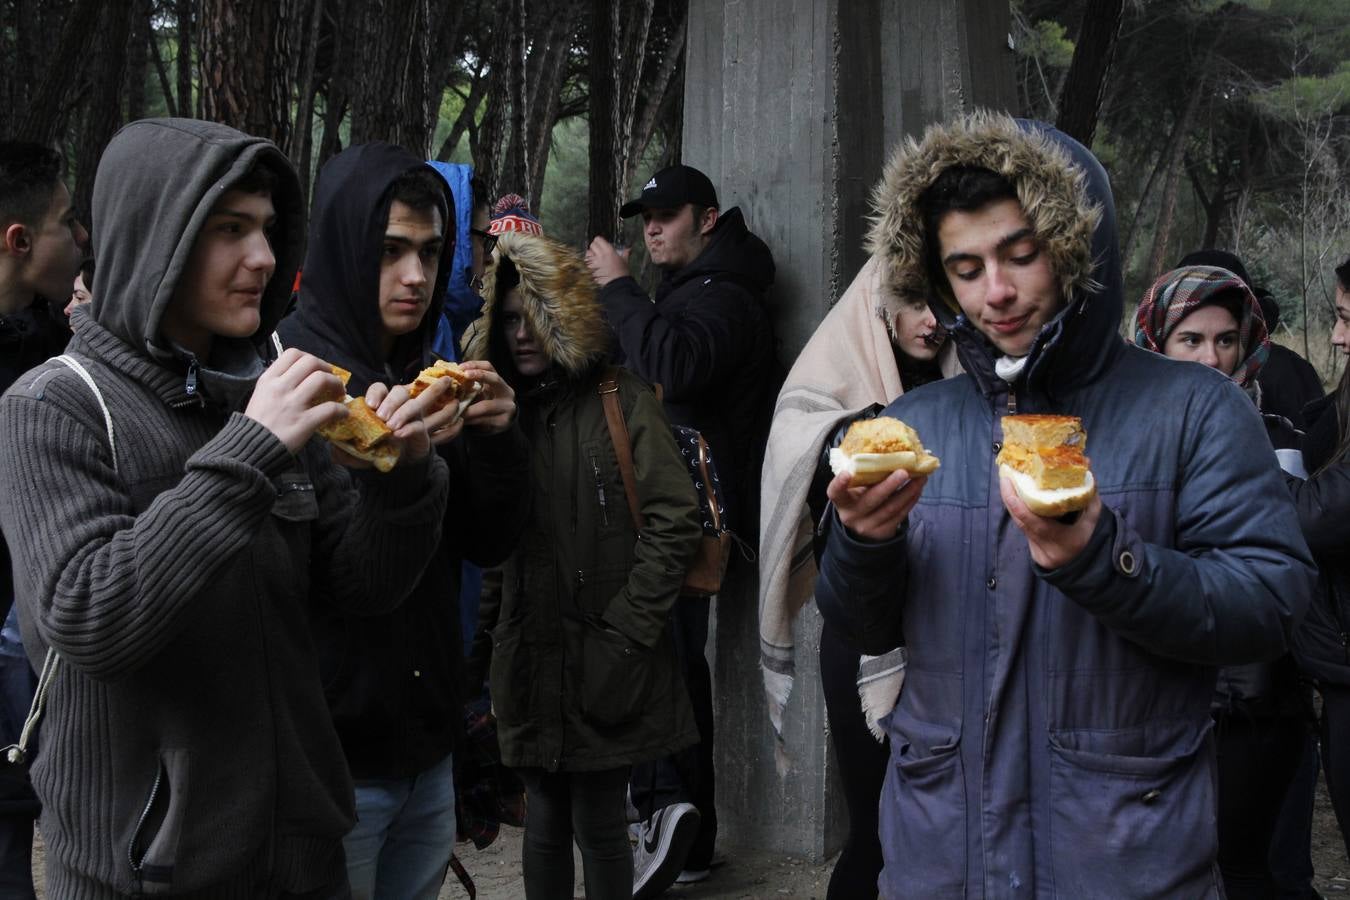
x=393 y=682
x=708 y=341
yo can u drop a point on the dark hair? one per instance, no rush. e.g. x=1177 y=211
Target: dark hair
x=1342 y=392
x=420 y=188
x=87 y=270
x=29 y=174
x=261 y=179
x=480 y=195
x=960 y=188
x=507 y=277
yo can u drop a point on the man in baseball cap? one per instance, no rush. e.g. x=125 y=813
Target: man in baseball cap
x=708 y=341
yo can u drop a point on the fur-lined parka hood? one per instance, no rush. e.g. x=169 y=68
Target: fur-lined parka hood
x=560 y=302
x=1066 y=197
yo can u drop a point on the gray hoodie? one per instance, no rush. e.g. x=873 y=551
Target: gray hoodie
x=187 y=747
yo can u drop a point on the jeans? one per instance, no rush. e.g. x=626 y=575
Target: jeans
x=587 y=806
x=687 y=776
x=404 y=835
x=19 y=806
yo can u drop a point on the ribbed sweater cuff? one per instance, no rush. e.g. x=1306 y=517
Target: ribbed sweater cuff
x=405 y=485
x=249 y=442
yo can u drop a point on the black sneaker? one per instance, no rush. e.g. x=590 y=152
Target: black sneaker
x=662 y=847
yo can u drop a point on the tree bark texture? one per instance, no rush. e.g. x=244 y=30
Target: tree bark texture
x=244 y=56
x=49 y=107
x=1085 y=81
x=1176 y=149
x=183 y=61
x=108 y=69
x=393 y=39
x=604 y=154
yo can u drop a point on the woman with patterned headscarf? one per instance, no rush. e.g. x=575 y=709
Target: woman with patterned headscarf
x=1208 y=315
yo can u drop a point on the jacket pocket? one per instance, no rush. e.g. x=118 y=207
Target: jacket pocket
x=510 y=673
x=295 y=500
x=1146 y=822
x=153 y=850
x=616 y=676
x=923 y=811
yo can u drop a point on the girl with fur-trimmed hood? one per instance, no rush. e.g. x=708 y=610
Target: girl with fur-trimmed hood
x=583 y=674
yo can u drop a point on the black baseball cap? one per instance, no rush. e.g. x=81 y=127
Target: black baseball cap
x=671 y=188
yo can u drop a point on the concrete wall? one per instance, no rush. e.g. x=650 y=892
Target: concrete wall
x=791 y=107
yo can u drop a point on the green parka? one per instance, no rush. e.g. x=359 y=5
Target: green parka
x=582 y=661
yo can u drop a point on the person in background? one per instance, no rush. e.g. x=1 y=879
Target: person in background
x=580 y=645
x=379 y=256
x=1209 y=315
x=871 y=347
x=79 y=291
x=41 y=243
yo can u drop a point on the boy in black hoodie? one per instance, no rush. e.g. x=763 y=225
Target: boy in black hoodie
x=380 y=246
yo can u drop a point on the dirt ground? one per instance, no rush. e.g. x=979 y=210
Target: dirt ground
x=742 y=875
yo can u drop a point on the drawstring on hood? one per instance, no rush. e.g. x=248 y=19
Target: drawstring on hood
x=558 y=299
x=1065 y=195
x=337 y=315
x=146 y=221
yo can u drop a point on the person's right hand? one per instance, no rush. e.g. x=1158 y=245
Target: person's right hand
x=605 y=262
x=296 y=396
x=875 y=512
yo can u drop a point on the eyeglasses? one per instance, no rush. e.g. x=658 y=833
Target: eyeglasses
x=489 y=240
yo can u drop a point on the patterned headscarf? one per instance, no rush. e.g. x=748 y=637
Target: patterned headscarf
x=1180 y=292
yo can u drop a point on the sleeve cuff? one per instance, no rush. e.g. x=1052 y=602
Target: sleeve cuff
x=247 y=441
x=1086 y=571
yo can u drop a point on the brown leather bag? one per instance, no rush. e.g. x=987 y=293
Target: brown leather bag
x=706 y=570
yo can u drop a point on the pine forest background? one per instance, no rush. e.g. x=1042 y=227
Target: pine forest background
x=1221 y=123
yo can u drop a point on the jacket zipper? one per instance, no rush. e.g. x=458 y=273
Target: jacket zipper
x=600 y=491
x=138 y=865
x=1012 y=401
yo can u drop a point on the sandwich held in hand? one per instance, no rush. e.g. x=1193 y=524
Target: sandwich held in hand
x=874 y=448
x=1043 y=456
x=362 y=433
x=465 y=389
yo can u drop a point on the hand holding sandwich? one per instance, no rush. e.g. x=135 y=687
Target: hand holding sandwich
x=496 y=410
x=295 y=396
x=875 y=512
x=1053 y=543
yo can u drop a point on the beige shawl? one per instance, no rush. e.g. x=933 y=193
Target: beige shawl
x=847 y=365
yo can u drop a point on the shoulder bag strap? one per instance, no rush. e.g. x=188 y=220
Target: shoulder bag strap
x=18 y=753
x=618 y=436
x=707 y=484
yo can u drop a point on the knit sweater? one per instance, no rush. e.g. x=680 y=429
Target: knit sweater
x=187 y=748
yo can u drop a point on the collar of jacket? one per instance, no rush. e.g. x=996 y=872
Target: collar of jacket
x=1067 y=198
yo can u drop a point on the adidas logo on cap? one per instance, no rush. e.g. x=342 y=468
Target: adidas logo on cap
x=649 y=185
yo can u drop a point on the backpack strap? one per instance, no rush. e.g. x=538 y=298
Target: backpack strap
x=618 y=436
x=17 y=754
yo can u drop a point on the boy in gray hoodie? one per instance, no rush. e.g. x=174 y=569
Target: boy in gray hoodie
x=173 y=538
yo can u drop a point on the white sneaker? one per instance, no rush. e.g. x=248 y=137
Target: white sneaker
x=658 y=858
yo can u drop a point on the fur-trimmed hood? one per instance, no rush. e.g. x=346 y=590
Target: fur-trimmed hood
x=1066 y=197
x=560 y=302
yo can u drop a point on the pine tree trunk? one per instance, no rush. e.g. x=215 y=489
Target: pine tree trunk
x=50 y=105
x=1162 y=234
x=104 y=117
x=244 y=54
x=603 y=212
x=183 y=62
x=1085 y=81
x=389 y=102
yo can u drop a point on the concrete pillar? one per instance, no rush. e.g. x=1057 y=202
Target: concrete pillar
x=791 y=107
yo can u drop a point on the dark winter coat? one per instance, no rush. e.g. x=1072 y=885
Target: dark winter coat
x=1053 y=735
x=395 y=682
x=186 y=746
x=1288 y=384
x=1322 y=642
x=583 y=666
x=708 y=342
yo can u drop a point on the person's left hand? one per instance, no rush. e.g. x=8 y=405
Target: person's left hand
x=1053 y=544
x=495 y=409
x=404 y=416
x=606 y=263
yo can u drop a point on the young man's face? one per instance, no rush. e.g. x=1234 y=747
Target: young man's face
x=409 y=261
x=674 y=237
x=1002 y=281
x=220 y=291
x=59 y=242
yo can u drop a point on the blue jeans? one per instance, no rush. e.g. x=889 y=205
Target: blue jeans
x=404 y=835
